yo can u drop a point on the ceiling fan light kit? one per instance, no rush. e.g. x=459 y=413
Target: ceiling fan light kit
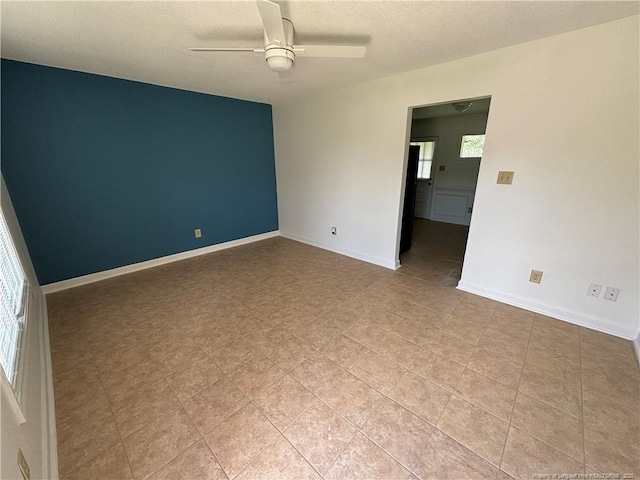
x=461 y=107
x=279 y=50
x=280 y=57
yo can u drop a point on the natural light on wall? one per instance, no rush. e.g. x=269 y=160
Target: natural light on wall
x=13 y=303
x=427 y=148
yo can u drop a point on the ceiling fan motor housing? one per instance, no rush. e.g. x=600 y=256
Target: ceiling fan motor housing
x=280 y=57
x=279 y=50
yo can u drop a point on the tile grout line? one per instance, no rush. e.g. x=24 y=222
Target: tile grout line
x=114 y=422
x=524 y=361
x=458 y=382
x=360 y=429
x=194 y=426
x=562 y=412
x=498 y=466
x=281 y=432
x=202 y=435
x=385 y=396
x=120 y=439
x=582 y=423
x=286 y=373
x=181 y=405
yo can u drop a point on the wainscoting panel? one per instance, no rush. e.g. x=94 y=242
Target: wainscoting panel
x=452 y=205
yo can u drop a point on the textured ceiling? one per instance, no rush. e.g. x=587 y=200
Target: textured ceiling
x=149 y=41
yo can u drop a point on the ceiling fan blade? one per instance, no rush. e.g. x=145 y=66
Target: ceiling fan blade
x=226 y=49
x=330 y=51
x=272 y=21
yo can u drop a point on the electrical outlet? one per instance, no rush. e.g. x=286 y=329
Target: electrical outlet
x=197 y=232
x=611 y=294
x=23 y=465
x=505 y=178
x=594 y=290
x=334 y=230
x=536 y=276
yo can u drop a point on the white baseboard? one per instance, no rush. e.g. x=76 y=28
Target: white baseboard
x=391 y=264
x=567 y=316
x=135 y=267
x=449 y=219
x=636 y=347
x=50 y=437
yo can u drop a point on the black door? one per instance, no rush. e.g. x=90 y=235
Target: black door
x=409 y=199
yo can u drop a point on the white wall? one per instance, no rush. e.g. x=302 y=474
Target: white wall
x=564 y=116
x=37 y=436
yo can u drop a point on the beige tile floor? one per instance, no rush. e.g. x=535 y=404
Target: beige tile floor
x=280 y=360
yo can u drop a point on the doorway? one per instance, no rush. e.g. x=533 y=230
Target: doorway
x=410 y=193
x=440 y=192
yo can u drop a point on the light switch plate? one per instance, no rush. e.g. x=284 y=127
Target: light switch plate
x=505 y=178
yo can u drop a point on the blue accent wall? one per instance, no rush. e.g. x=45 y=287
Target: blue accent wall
x=106 y=172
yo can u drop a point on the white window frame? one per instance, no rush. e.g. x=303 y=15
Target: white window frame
x=420 y=142
x=13 y=382
x=469 y=157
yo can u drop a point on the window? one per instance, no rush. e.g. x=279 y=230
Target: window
x=427 y=149
x=13 y=299
x=472 y=146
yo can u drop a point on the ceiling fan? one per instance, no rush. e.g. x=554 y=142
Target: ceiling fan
x=279 y=49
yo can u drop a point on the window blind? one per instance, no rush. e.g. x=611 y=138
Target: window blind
x=12 y=302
